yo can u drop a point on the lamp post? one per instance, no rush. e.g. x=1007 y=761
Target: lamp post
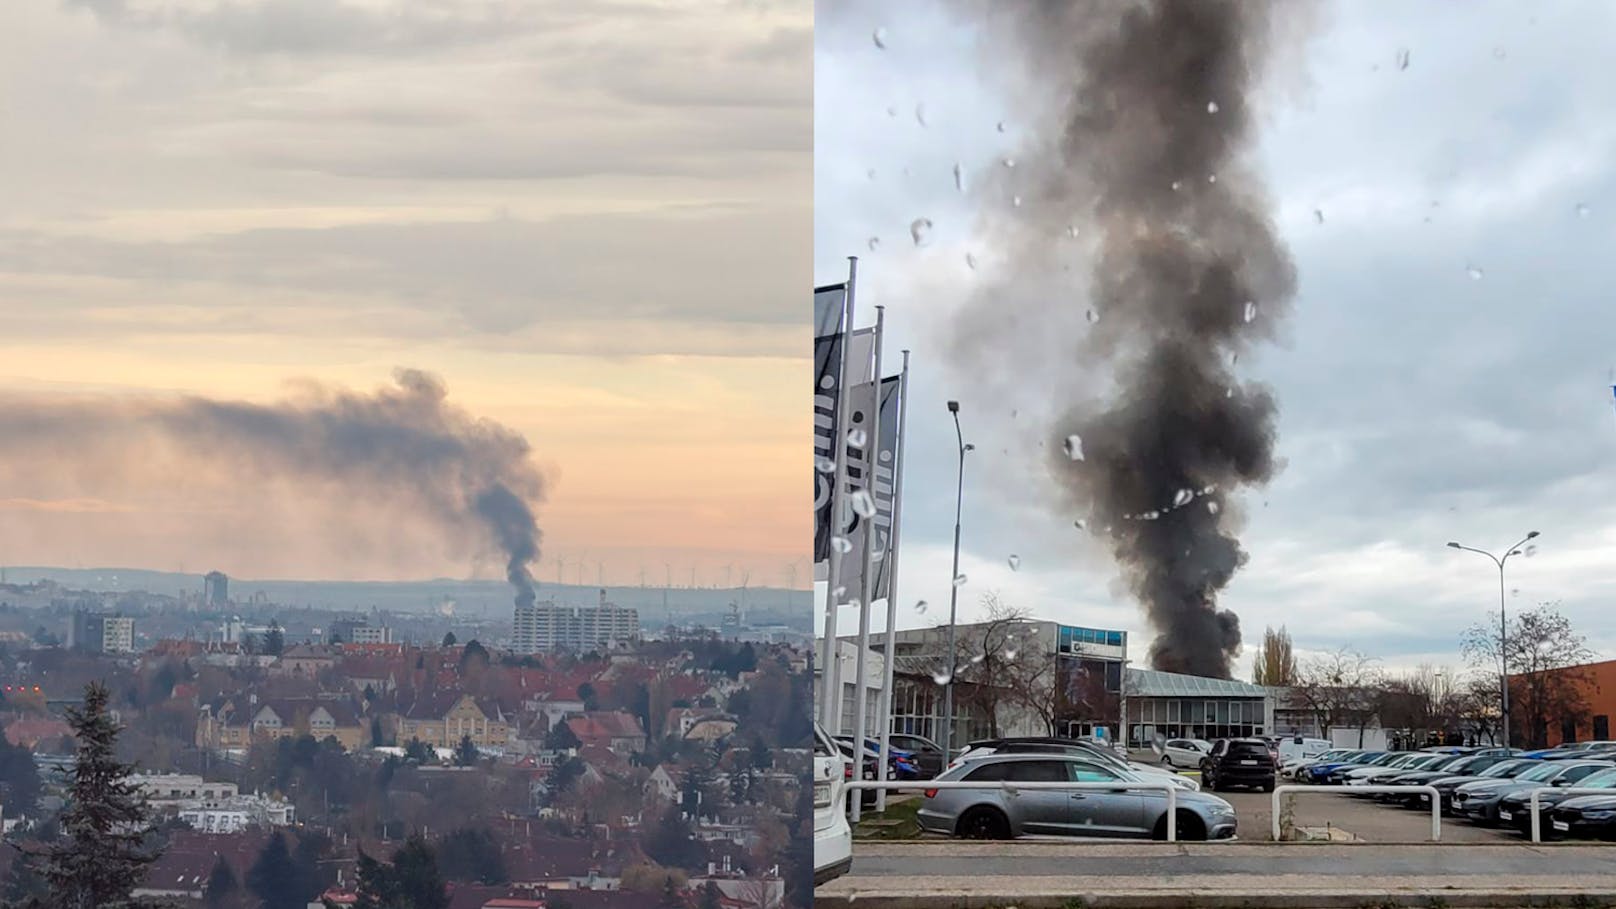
x=953 y=586
x=1503 y=660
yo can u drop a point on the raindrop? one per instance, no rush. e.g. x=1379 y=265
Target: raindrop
x=837 y=593
x=959 y=580
x=1177 y=184
x=1402 y=59
x=1211 y=107
x=1529 y=551
x=856 y=437
x=1010 y=654
x=1582 y=209
x=1228 y=392
x=1251 y=310
x=842 y=544
x=1009 y=162
x=1209 y=488
x=941 y=677
x=1091 y=316
x=824 y=464
x=1182 y=498
x=1474 y=272
x=870 y=173
x=999 y=126
x=892 y=110
x=959 y=177
x=1074 y=447
x=920 y=607
x=920 y=114
x=1234 y=359
x=1211 y=178
x=1498 y=53
x=1015 y=562
x=920 y=230
x=1318 y=215
x=1080 y=524
x=1015 y=201
x=970 y=261
x=864 y=503
x=978 y=658
x=1515 y=591
x=875 y=243
x=880 y=38
x=1150 y=515
x=1071 y=230
x=1212 y=507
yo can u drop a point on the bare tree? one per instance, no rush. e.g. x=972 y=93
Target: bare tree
x=1545 y=659
x=999 y=665
x=1339 y=688
x=1275 y=662
x=1425 y=703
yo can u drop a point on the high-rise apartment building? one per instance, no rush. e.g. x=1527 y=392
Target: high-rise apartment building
x=543 y=627
x=215 y=589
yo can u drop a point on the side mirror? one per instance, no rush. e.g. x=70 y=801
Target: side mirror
x=1557 y=782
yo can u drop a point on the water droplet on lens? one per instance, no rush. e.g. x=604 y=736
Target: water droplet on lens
x=1009 y=162
x=1251 y=310
x=1582 y=209
x=959 y=178
x=1402 y=59
x=1498 y=53
x=1318 y=215
x=842 y=544
x=1212 y=507
x=1091 y=316
x=1474 y=272
x=970 y=261
x=959 y=580
x=1177 y=184
x=1080 y=524
x=1015 y=201
x=1529 y=551
x=837 y=593
x=1150 y=515
x=941 y=677
x=1010 y=654
x=1071 y=230
x=892 y=110
x=1000 y=126
x=1211 y=178
x=824 y=464
x=1182 y=498
x=1015 y=562
x=880 y=38
x=920 y=230
x=1073 y=447
x=870 y=173
x=920 y=114
x=863 y=504
x=920 y=607
x=1211 y=107
x=1228 y=392
x=856 y=437
x=875 y=242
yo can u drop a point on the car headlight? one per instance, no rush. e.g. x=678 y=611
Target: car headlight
x=1599 y=814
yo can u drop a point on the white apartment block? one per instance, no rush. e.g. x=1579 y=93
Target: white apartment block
x=546 y=627
x=117 y=634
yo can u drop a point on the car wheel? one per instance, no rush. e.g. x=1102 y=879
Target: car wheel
x=1167 y=760
x=1268 y=786
x=1190 y=827
x=983 y=824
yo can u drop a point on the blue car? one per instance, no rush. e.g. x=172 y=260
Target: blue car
x=1319 y=774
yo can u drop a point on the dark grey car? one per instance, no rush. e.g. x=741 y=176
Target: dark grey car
x=1001 y=814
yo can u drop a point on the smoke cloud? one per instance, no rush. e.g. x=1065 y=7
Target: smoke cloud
x=1137 y=166
x=403 y=443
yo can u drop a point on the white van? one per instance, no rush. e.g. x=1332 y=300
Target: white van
x=833 y=838
x=1294 y=749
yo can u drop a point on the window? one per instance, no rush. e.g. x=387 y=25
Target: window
x=1577 y=773
x=1601 y=728
x=1173 y=708
x=1089 y=773
x=1568 y=731
x=1037 y=771
x=989 y=772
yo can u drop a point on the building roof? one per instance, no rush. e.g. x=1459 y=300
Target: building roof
x=1152 y=683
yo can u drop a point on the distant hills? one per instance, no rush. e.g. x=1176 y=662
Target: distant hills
x=763 y=605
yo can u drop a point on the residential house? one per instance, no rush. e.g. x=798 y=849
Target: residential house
x=613 y=729
x=442 y=719
x=307 y=660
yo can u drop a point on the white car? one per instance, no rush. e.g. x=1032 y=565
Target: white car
x=833 y=838
x=1185 y=752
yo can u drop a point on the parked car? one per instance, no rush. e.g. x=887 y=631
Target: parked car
x=1583 y=816
x=1239 y=762
x=1576 y=750
x=1296 y=749
x=1319 y=772
x=1456 y=768
x=833 y=838
x=1293 y=769
x=1391 y=773
x=1039 y=745
x=1446 y=786
x=1184 y=752
x=1478 y=801
x=904 y=766
x=927 y=754
x=997 y=814
x=1515 y=808
x=1382 y=759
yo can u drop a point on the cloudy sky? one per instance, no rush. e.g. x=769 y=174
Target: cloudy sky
x=1444 y=371
x=588 y=218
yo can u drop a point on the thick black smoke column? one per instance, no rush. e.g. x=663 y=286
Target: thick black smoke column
x=402 y=445
x=1142 y=157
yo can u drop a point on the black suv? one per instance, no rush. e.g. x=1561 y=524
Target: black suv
x=1238 y=762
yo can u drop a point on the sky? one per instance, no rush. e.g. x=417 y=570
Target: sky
x=587 y=219
x=1444 y=371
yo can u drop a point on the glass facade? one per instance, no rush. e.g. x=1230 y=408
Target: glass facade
x=1194 y=718
x=1073 y=640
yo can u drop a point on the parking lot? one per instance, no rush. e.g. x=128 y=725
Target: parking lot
x=1347 y=819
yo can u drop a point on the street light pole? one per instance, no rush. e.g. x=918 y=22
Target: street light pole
x=1503 y=660
x=953 y=595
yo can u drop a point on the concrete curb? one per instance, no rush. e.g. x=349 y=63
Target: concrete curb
x=1324 y=898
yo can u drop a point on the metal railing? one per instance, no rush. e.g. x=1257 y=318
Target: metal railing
x=1436 y=801
x=1011 y=787
x=1534 y=806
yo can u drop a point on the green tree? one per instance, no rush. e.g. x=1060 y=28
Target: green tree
x=274 y=639
x=24 y=887
x=711 y=896
x=761 y=758
x=19 y=778
x=560 y=738
x=1274 y=663
x=419 y=752
x=672 y=843
x=466 y=754
x=101 y=856
x=671 y=898
x=472 y=854
x=271 y=876
x=475 y=656
x=412 y=880
x=222 y=885
x=586 y=693
x=448 y=639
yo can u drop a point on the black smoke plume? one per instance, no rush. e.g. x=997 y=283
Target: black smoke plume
x=1138 y=162
x=403 y=444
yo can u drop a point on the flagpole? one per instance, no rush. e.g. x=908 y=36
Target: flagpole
x=891 y=644
x=872 y=457
x=831 y=660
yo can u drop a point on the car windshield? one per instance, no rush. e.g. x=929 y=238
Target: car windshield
x=1384 y=759
x=1445 y=762
x=1509 y=769
x=1544 y=772
x=1604 y=779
